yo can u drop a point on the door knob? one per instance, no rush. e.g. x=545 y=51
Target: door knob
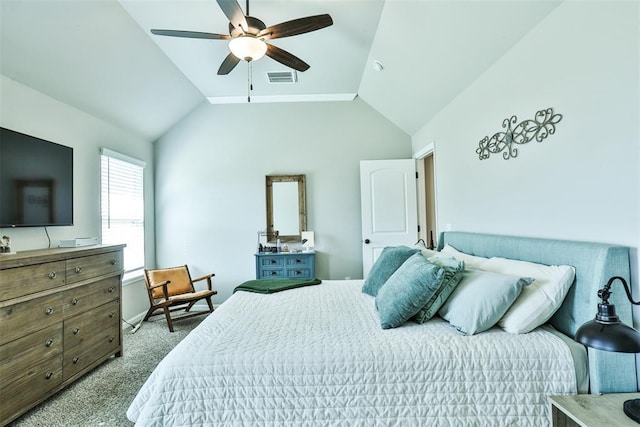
x=367 y=241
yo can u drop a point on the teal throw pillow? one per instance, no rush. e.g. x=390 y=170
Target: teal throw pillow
x=407 y=291
x=481 y=299
x=440 y=291
x=391 y=258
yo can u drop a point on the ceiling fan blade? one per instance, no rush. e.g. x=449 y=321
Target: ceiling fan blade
x=285 y=58
x=234 y=13
x=190 y=34
x=228 y=64
x=296 y=26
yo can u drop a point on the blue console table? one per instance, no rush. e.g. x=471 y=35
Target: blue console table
x=285 y=265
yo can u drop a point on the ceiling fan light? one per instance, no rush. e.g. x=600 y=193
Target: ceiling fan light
x=247 y=48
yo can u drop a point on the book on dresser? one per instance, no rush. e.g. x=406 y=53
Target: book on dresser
x=60 y=312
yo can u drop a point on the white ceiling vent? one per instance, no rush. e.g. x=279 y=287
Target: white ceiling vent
x=282 y=76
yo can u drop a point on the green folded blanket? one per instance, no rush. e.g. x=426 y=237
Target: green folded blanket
x=269 y=286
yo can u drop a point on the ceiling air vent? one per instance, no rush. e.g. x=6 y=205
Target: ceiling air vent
x=282 y=77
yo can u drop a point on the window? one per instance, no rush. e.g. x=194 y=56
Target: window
x=122 y=207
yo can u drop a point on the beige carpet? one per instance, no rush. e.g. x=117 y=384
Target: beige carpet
x=101 y=398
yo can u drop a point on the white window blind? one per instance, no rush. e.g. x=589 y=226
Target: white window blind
x=122 y=206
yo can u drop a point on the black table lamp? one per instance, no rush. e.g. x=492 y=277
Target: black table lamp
x=607 y=333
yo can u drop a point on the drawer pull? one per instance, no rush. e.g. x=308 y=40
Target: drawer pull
x=273 y=273
x=298 y=272
x=113 y=262
x=78 y=269
x=48 y=375
x=52 y=275
x=273 y=261
x=49 y=342
x=75 y=359
x=111 y=339
x=75 y=331
x=111 y=289
x=112 y=314
x=298 y=261
x=74 y=301
x=49 y=311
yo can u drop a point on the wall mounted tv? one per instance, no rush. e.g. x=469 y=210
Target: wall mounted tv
x=36 y=181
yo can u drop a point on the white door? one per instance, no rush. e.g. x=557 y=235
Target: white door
x=389 y=207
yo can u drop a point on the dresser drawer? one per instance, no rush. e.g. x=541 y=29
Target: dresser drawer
x=83 y=298
x=22 y=354
x=92 y=266
x=20 y=281
x=91 y=336
x=21 y=319
x=33 y=383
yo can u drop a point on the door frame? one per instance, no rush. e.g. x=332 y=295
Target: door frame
x=419 y=156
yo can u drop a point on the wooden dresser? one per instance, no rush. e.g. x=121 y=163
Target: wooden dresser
x=285 y=265
x=60 y=312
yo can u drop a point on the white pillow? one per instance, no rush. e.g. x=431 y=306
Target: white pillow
x=426 y=252
x=470 y=261
x=538 y=301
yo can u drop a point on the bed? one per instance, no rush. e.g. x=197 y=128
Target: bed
x=317 y=355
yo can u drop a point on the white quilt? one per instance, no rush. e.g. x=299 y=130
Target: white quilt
x=317 y=356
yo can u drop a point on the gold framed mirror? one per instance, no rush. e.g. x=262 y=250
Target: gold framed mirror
x=286 y=207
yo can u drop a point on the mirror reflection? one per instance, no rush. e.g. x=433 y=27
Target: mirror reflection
x=286 y=212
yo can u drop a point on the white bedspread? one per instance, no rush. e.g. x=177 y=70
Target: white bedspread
x=317 y=356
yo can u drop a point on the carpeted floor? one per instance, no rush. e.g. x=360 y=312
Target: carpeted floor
x=101 y=398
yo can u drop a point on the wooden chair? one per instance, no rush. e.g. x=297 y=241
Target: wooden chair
x=171 y=289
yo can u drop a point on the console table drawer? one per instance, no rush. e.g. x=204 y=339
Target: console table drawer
x=299 y=273
x=268 y=273
x=299 y=260
x=271 y=261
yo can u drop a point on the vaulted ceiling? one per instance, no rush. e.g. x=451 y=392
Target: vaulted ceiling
x=100 y=57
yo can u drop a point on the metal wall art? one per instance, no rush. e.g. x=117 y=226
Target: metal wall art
x=543 y=125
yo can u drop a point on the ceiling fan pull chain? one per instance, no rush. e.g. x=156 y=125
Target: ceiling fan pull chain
x=249 y=81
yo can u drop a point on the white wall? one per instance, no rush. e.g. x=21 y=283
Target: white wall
x=25 y=110
x=210 y=182
x=583 y=183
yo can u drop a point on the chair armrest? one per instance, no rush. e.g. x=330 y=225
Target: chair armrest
x=207 y=277
x=164 y=284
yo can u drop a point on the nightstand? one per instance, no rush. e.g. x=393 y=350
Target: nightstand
x=285 y=265
x=591 y=410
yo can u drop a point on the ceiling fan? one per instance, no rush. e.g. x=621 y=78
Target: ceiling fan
x=248 y=35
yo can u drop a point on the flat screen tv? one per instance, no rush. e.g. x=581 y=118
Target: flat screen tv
x=36 y=181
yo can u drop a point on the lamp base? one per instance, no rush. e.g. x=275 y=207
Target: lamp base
x=632 y=409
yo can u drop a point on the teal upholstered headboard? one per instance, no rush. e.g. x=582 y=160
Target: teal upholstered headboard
x=595 y=263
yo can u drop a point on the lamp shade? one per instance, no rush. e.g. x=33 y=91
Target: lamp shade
x=248 y=48
x=615 y=337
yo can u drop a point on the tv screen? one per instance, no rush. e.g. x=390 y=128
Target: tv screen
x=36 y=181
